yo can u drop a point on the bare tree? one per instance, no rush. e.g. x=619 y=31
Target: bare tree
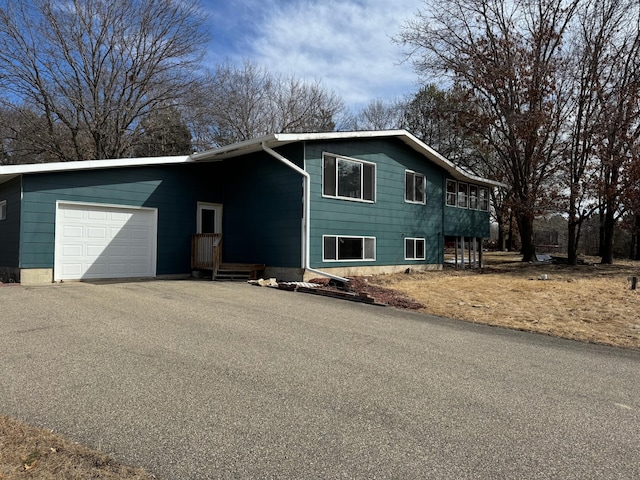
x=378 y=115
x=617 y=144
x=593 y=76
x=163 y=133
x=506 y=57
x=237 y=103
x=92 y=69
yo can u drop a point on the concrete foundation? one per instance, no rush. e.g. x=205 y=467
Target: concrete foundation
x=371 y=270
x=36 y=276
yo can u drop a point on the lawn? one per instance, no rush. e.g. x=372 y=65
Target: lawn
x=589 y=302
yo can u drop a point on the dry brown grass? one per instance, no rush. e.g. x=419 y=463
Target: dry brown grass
x=589 y=302
x=34 y=453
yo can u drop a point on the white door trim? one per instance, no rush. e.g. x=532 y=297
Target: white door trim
x=217 y=207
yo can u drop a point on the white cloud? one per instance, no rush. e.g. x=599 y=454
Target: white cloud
x=345 y=44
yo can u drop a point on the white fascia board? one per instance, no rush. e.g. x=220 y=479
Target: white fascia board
x=13 y=170
x=280 y=139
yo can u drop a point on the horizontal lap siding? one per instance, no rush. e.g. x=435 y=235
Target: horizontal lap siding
x=463 y=222
x=10 y=228
x=173 y=190
x=263 y=211
x=390 y=219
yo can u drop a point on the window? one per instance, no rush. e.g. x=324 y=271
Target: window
x=467 y=196
x=3 y=210
x=462 y=195
x=452 y=188
x=473 y=197
x=348 y=248
x=348 y=178
x=414 y=249
x=414 y=187
x=483 y=199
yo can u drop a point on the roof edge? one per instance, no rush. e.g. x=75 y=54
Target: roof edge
x=90 y=164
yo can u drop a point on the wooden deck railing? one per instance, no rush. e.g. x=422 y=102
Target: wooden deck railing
x=206 y=251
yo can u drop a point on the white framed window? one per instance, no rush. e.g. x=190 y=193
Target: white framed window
x=473 y=197
x=414 y=249
x=348 y=178
x=452 y=191
x=3 y=210
x=414 y=187
x=463 y=195
x=345 y=248
x=483 y=199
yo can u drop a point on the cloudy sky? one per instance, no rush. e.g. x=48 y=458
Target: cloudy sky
x=346 y=44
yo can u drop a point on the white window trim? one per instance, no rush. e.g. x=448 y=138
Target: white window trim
x=486 y=199
x=375 y=247
x=424 y=187
x=3 y=210
x=466 y=196
x=349 y=159
x=476 y=196
x=480 y=189
x=455 y=194
x=424 y=250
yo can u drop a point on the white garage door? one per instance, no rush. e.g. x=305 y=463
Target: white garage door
x=100 y=241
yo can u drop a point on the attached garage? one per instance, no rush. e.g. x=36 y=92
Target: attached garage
x=94 y=241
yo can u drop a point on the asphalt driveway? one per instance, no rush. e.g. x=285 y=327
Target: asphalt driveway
x=202 y=379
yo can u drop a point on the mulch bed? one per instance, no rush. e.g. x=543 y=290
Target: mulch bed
x=380 y=295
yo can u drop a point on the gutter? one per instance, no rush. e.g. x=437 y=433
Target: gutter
x=306 y=196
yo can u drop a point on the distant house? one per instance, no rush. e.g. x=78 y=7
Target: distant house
x=303 y=205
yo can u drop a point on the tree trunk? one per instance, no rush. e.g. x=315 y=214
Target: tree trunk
x=637 y=252
x=525 y=224
x=572 y=240
x=510 y=237
x=572 y=244
x=601 y=234
x=607 y=237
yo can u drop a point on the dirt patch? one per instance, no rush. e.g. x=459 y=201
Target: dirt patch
x=34 y=453
x=589 y=302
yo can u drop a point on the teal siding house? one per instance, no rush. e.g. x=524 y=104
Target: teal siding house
x=304 y=205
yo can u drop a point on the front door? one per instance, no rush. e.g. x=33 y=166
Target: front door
x=209 y=218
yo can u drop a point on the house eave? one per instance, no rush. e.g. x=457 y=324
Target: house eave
x=7 y=172
x=281 y=139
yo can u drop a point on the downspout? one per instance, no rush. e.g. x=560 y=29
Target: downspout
x=306 y=189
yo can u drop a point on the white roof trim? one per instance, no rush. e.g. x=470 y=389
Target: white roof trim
x=90 y=164
x=249 y=146
x=279 y=139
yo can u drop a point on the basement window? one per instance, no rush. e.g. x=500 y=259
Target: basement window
x=348 y=178
x=347 y=248
x=3 y=210
x=414 y=249
x=414 y=187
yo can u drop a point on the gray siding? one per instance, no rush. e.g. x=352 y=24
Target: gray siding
x=10 y=228
x=173 y=190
